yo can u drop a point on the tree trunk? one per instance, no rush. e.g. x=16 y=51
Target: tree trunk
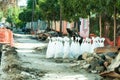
x=114 y=26
x=51 y=25
x=76 y=25
x=89 y=24
x=55 y=25
x=48 y=24
x=60 y=18
x=100 y=24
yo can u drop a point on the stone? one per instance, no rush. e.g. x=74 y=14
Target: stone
x=84 y=56
x=86 y=66
x=115 y=63
x=100 y=68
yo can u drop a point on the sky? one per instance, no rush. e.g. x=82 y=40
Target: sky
x=22 y=2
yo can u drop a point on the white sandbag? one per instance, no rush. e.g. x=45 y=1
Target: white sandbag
x=51 y=48
x=95 y=44
x=102 y=40
x=86 y=45
x=59 y=48
x=66 y=51
x=77 y=48
x=82 y=49
x=72 y=48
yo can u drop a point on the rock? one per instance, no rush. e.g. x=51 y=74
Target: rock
x=94 y=71
x=111 y=74
x=68 y=61
x=84 y=56
x=115 y=63
x=41 y=75
x=89 y=59
x=106 y=64
x=58 y=60
x=86 y=66
x=117 y=69
x=113 y=68
x=111 y=54
x=100 y=68
x=25 y=73
x=108 y=59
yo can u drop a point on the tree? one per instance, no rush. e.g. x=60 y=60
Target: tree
x=1 y=15
x=12 y=15
x=74 y=9
x=109 y=8
x=50 y=10
x=26 y=15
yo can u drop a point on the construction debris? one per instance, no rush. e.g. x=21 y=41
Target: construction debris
x=113 y=70
x=44 y=35
x=106 y=49
x=105 y=64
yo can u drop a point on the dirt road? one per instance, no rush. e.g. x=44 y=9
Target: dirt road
x=40 y=68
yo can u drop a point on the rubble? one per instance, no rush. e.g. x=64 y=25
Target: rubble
x=44 y=35
x=113 y=70
x=104 y=64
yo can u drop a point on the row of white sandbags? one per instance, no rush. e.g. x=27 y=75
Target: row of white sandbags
x=88 y=44
x=59 y=47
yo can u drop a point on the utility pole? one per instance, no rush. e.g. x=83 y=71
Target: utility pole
x=114 y=25
x=100 y=24
x=33 y=6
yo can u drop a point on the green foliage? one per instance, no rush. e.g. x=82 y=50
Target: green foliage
x=9 y=19
x=1 y=15
x=72 y=10
x=12 y=15
x=30 y=4
x=26 y=15
x=20 y=24
x=49 y=9
x=94 y=26
x=32 y=13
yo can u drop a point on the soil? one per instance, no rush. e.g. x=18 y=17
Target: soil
x=34 y=65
